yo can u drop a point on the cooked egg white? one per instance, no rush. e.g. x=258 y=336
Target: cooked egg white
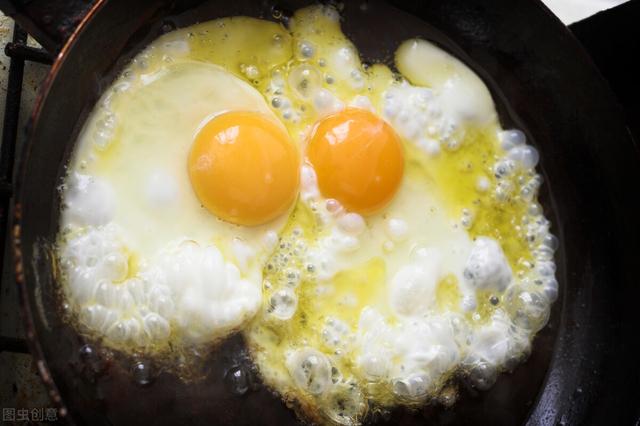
x=351 y=303
x=145 y=262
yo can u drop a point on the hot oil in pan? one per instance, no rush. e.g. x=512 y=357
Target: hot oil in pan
x=230 y=391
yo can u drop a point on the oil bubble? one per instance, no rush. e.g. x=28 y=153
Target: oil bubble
x=142 y=373
x=482 y=375
x=237 y=380
x=283 y=304
x=92 y=359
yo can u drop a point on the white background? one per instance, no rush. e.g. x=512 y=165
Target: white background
x=570 y=11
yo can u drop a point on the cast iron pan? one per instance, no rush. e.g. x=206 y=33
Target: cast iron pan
x=582 y=368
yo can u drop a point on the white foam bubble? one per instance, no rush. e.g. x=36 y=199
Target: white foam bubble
x=188 y=285
x=326 y=102
x=352 y=223
x=305 y=80
x=243 y=253
x=412 y=288
x=487 y=267
x=511 y=138
x=528 y=308
x=525 y=155
x=397 y=229
x=310 y=370
x=362 y=102
x=89 y=201
x=430 y=146
x=411 y=354
x=335 y=333
x=283 y=303
x=462 y=94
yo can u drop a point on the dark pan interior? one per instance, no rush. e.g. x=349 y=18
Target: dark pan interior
x=542 y=82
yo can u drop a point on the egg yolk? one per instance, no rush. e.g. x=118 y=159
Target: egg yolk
x=244 y=168
x=358 y=159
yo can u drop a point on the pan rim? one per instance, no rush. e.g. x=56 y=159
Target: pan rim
x=15 y=215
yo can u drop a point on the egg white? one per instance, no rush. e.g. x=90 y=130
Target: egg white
x=145 y=262
x=342 y=313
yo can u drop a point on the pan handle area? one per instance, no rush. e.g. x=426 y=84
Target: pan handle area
x=50 y=22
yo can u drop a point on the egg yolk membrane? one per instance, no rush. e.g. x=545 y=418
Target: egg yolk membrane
x=358 y=159
x=244 y=168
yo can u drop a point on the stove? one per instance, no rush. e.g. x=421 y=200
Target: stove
x=22 y=69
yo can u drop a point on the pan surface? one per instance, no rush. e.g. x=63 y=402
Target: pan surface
x=542 y=82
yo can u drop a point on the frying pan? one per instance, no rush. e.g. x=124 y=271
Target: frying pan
x=582 y=368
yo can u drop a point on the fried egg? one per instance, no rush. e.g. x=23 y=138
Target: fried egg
x=372 y=233
x=156 y=244
x=399 y=266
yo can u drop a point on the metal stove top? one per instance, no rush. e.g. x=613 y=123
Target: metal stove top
x=22 y=395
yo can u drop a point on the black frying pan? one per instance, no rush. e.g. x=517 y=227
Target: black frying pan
x=582 y=369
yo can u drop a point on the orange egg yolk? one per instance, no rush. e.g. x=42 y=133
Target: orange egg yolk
x=358 y=159
x=244 y=168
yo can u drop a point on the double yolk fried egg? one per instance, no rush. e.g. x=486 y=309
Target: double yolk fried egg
x=370 y=232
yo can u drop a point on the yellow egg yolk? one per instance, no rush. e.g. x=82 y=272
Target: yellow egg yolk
x=244 y=168
x=358 y=159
